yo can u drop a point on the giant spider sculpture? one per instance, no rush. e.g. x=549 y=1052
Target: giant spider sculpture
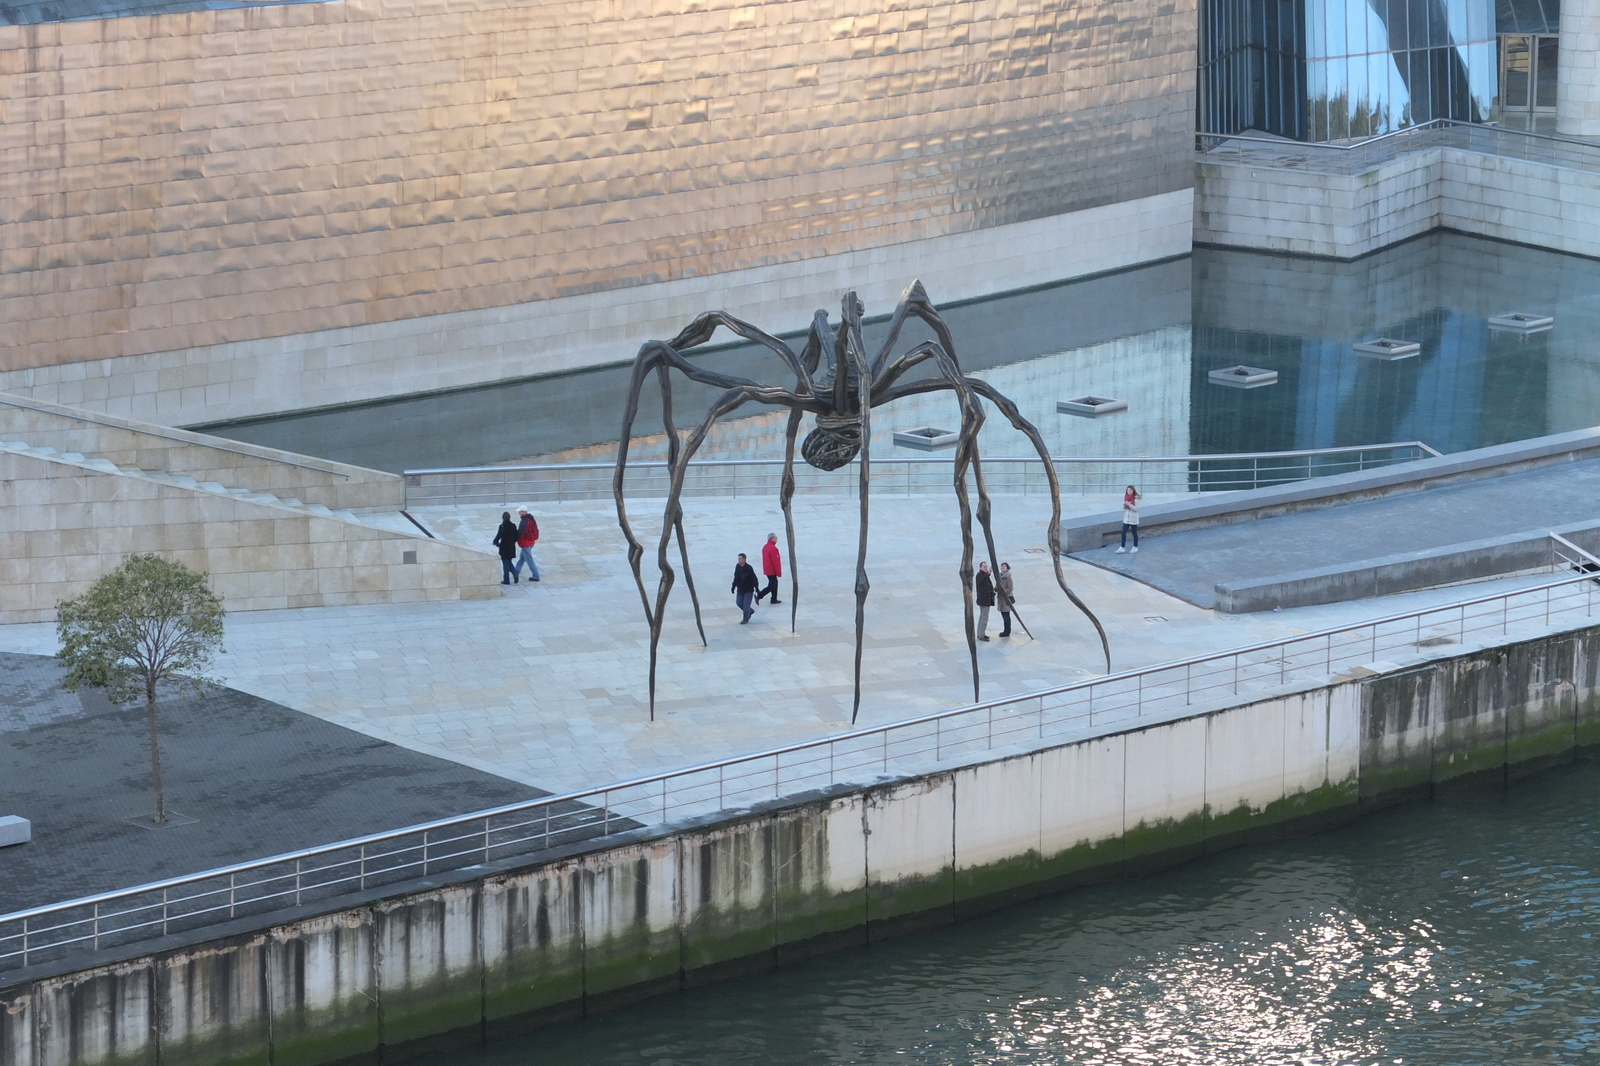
x=836 y=382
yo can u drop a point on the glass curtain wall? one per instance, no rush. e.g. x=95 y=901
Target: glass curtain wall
x=1328 y=70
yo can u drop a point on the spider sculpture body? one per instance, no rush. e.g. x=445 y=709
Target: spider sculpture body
x=837 y=383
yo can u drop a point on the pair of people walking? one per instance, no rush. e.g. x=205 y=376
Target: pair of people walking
x=516 y=541
x=994 y=590
x=744 y=579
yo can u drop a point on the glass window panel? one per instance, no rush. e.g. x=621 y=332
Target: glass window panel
x=1544 y=96
x=1516 y=70
x=1398 y=111
x=1483 y=77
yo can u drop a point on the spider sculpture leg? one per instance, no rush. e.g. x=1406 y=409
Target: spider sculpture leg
x=1009 y=409
x=651 y=356
x=785 y=498
x=664 y=375
x=729 y=401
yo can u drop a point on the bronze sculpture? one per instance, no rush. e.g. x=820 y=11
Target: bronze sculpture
x=835 y=382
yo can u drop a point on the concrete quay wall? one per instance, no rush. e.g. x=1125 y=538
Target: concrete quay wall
x=486 y=953
x=1343 y=216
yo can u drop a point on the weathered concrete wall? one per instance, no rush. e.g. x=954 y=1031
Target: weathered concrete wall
x=64 y=525
x=501 y=951
x=1343 y=216
x=127 y=443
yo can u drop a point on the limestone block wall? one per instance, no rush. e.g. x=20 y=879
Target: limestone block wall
x=1315 y=213
x=179 y=182
x=127 y=443
x=1348 y=215
x=62 y=527
x=493 y=952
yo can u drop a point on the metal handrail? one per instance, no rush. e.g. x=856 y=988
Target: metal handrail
x=592 y=480
x=1421 y=127
x=1302 y=453
x=1373 y=151
x=599 y=808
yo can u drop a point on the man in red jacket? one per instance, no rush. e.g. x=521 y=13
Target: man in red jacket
x=527 y=537
x=772 y=566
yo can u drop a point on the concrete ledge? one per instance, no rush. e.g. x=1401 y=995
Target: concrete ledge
x=1405 y=572
x=127 y=442
x=1249 y=505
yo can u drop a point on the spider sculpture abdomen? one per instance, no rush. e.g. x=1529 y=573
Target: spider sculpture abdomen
x=833 y=443
x=838 y=383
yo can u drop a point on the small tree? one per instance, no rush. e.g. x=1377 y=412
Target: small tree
x=146 y=622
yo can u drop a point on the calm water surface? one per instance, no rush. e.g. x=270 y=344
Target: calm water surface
x=1458 y=931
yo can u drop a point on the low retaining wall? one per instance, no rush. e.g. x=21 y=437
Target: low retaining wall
x=1212 y=509
x=1404 y=572
x=493 y=951
x=1343 y=216
x=127 y=443
x=63 y=526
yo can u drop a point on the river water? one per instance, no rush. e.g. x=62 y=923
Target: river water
x=1451 y=932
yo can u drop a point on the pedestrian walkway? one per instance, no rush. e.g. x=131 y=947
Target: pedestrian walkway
x=1190 y=563
x=546 y=685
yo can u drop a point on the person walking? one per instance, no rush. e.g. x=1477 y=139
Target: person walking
x=744 y=588
x=527 y=537
x=985 y=599
x=506 y=540
x=772 y=566
x=1004 y=597
x=1130 y=519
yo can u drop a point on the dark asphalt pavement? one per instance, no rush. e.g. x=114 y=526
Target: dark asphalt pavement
x=261 y=778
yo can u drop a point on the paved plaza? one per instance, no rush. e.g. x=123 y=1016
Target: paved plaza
x=546 y=685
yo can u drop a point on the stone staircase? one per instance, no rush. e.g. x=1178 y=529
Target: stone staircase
x=98 y=465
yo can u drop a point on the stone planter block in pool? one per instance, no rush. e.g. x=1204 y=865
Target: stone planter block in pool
x=1091 y=406
x=1521 y=322
x=1388 y=348
x=927 y=438
x=1243 y=377
x=14 y=830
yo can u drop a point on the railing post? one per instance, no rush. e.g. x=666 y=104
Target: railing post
x=232 y=898
x=297 y=882
x=991 y=728
x=166 y=913
x=97 y=925
x=486 y=841
x=938 y=739
x=363 y=866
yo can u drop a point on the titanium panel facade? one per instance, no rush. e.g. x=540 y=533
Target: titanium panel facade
x=180 y=180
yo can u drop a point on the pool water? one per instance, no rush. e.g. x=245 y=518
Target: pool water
x=1149 y=336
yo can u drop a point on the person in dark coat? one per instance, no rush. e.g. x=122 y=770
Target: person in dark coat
x=1003 y=597
x=744 y=588
x=772 y=566
x=506 y=541
x=985 y=585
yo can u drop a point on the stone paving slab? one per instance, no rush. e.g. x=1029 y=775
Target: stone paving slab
x=1190 y=563
x=546 y=685
x=260 y=778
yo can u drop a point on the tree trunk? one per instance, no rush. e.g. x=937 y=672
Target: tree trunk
x=155 y=754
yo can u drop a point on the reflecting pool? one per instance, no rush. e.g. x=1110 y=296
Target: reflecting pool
x=1149 y=336
x=1452 y=932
